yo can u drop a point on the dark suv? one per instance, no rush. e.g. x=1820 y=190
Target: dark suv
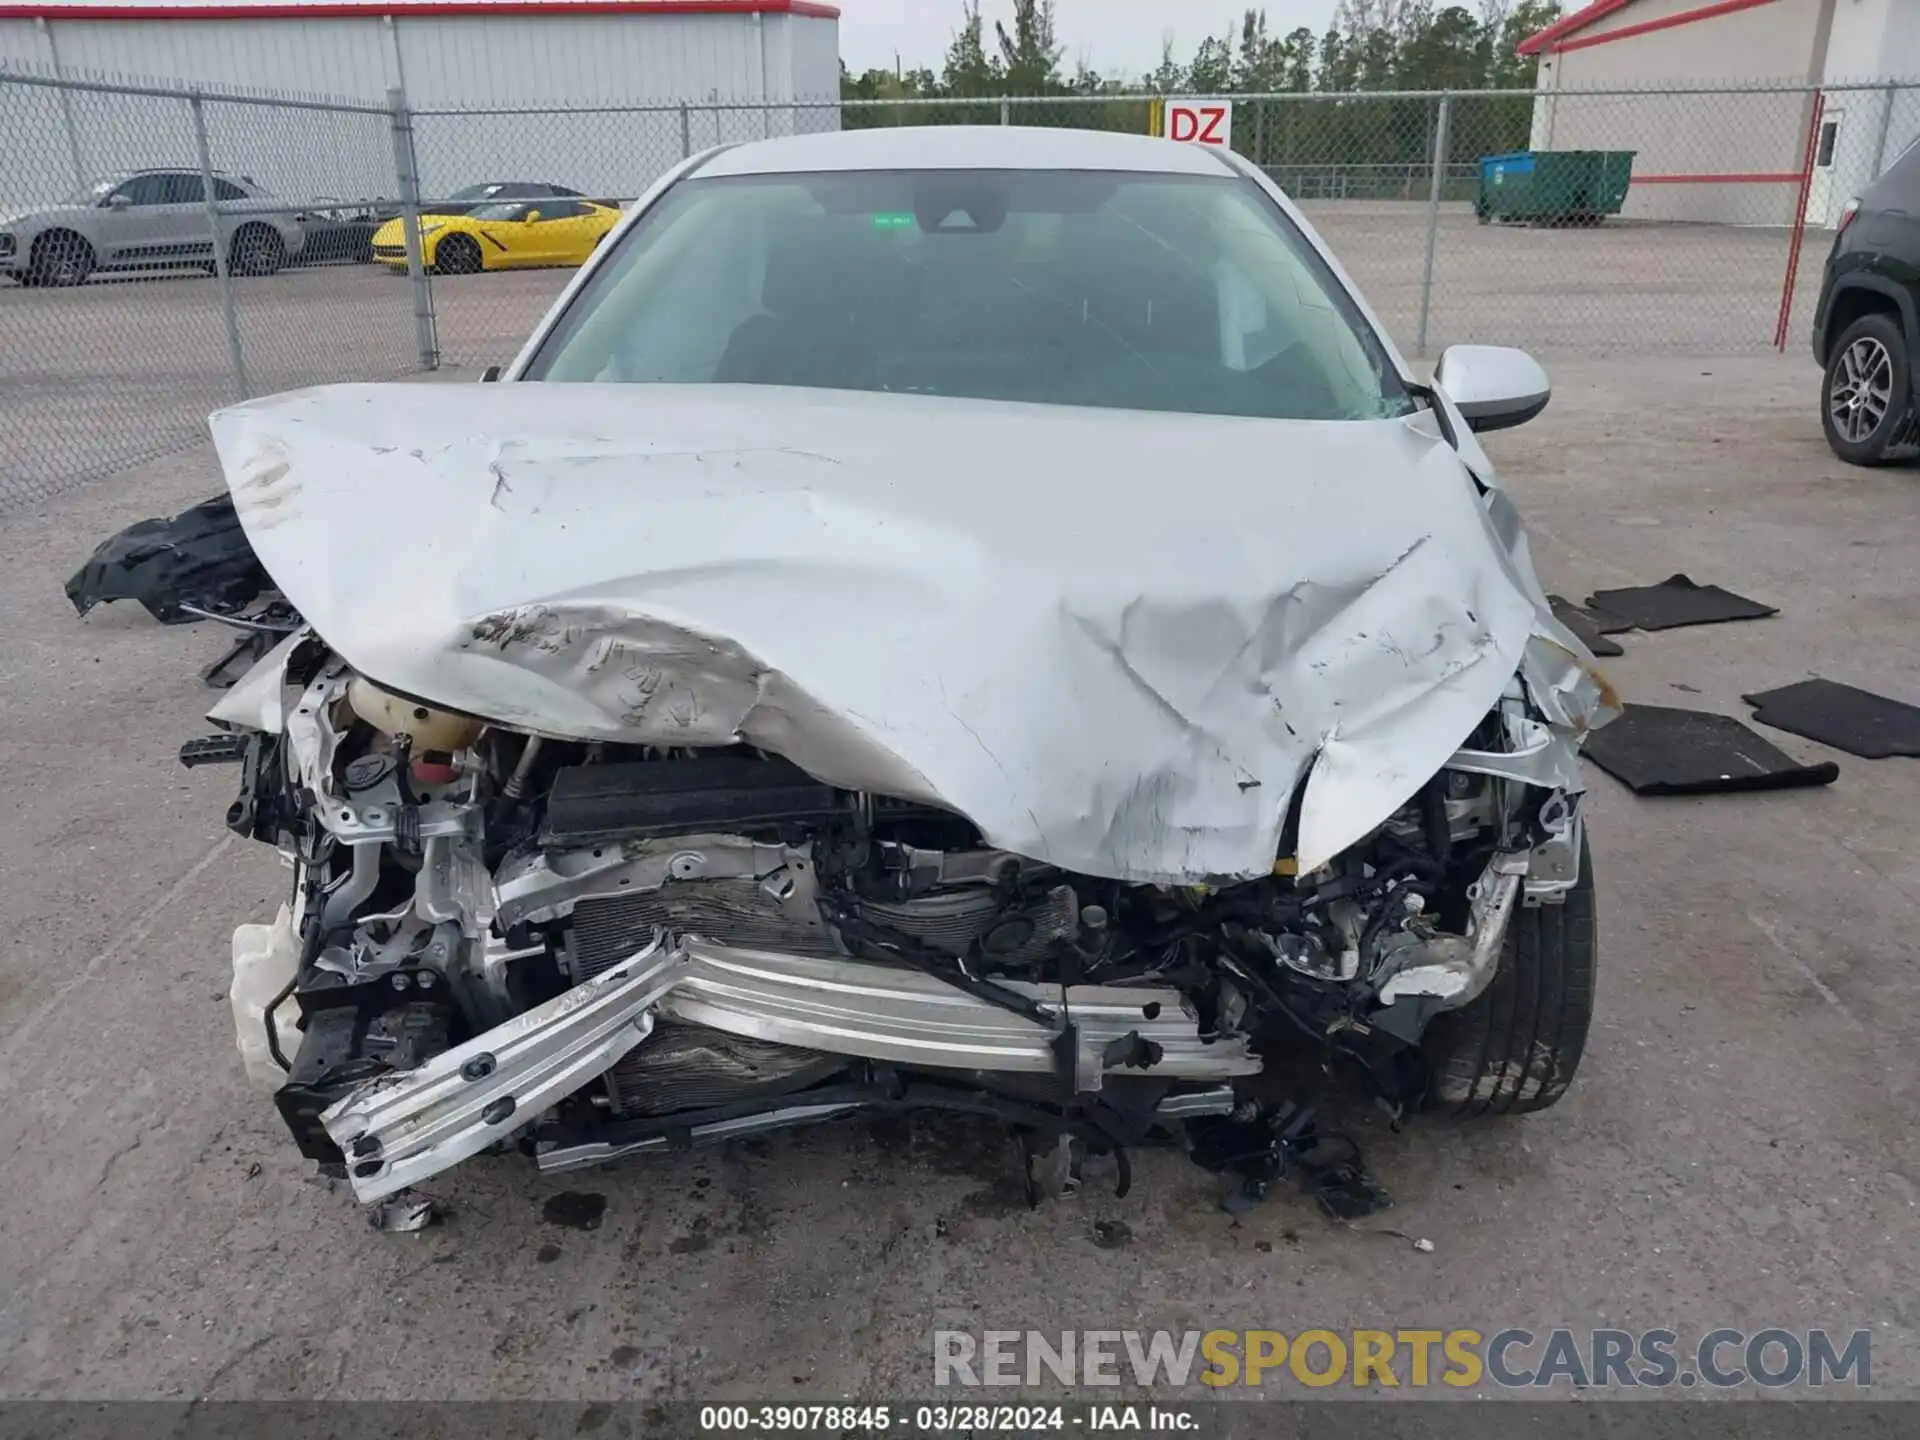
x=1864 y=330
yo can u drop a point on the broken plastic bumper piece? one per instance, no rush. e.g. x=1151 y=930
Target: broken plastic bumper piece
x=399 y=1129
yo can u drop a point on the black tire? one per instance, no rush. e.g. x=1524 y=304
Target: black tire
x=458 y=255
x=59 y=257
x=255 y=249
x=1866 y=396
x=1515 y=1049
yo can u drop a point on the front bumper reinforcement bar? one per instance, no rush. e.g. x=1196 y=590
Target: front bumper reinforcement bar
x=400 y=1129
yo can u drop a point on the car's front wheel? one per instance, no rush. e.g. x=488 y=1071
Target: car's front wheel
x=1515 y=1049
x=457 y=255
x=59 y=257
x=1866 y=399
x=256 y=250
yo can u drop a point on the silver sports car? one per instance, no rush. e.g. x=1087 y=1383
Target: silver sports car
x=967 y=619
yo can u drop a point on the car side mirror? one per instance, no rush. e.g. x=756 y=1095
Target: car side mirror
x=532 y=215
x=1492 y=386
x=490 y=374
x=118 y=202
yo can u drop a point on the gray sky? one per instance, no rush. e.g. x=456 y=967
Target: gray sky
x=1115 y=36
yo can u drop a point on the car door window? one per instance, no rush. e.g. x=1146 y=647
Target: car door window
x=227 y=190
x=184 y=189
x=560 y=210
x=143 y=190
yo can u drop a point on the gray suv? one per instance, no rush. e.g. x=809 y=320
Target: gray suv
x=142 y=219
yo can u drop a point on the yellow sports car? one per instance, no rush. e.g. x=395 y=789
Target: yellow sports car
x=510 y=235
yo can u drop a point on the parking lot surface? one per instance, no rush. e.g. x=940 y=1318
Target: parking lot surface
x=1738 y=1150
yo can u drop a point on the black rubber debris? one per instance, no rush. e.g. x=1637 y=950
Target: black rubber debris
x=200 y=557
x=1677 y=601
x=1588 y=625
x=1654 y=750
x=1856 y=721
x=1596 y=619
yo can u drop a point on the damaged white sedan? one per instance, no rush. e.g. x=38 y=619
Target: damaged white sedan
x=979 y=620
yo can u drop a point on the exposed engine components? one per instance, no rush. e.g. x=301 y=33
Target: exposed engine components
x=424 y=728
x=595 y=948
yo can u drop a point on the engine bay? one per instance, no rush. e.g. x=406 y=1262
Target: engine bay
x=588 y=950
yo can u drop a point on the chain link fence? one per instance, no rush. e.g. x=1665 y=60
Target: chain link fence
x=175 y=249
x=167 y=253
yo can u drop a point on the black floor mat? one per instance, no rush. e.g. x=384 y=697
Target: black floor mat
x=1587 y=624
x=1677 y=601
x=1657 y=751
x=1856 y=721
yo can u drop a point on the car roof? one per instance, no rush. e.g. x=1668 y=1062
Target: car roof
x=171 y=170
x=965 y=147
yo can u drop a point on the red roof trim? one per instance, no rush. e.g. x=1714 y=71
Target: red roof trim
x=1685 y=17
x=301 y=10
x=1548 y=38
x=1567 y=24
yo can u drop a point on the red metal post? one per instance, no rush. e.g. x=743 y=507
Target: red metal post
x=1799 y=223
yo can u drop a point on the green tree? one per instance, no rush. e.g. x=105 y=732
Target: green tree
x=1506 y=28
x=1212 y=68
x=1030 y=54
x=1169 y=77
x=1296 y=61
x=1371 y=45
x=1250 y=62
x=1447 y=51
x=1339 y=67
x=969 y=72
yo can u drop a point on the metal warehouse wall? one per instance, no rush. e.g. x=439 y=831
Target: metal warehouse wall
x=1685 y=135
x=1870 y=39
x=444 y=62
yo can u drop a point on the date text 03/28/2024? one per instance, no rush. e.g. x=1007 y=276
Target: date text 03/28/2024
x=757 y=1420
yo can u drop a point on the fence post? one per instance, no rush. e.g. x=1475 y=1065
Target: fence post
x=1798 y=234
x=1433 y=217
x=1886 y=121
x=223 y=275
x=1006 y=111
x=686 y=131
x=407 y=172
x=80 y=178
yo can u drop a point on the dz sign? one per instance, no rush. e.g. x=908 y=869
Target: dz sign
x=1200 y=122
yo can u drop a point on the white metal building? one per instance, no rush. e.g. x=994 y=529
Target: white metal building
x=1735 y=159
x=466 y=56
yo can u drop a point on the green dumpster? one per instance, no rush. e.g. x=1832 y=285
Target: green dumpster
x=1553 y=187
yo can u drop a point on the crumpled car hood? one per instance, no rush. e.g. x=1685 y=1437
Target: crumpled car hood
x=1114 y=640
